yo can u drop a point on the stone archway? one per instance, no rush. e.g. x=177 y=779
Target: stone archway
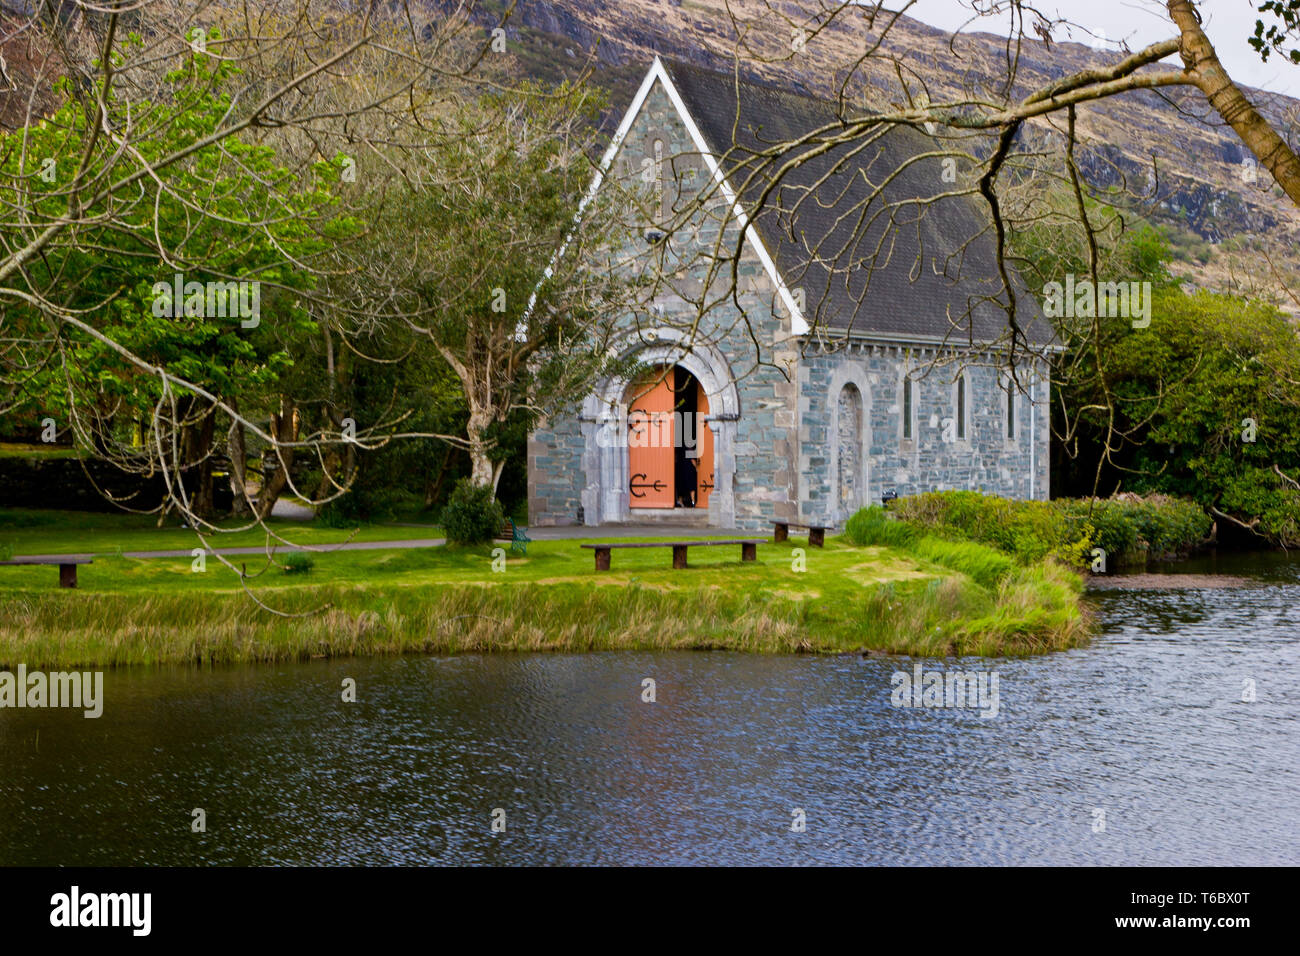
x=605 y=496
x=848 y=482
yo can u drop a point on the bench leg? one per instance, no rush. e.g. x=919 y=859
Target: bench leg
x=749 y=552
x=602 y=559
x=782 y=532
x=67 y=575
x=679 y=556
x=817 y=537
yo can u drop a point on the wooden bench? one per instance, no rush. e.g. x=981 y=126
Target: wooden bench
x=816 y=533
x=517 y=536
x=748 y=549
x=67 y=565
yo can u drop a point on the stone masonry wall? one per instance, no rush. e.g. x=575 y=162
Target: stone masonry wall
x=986 y=460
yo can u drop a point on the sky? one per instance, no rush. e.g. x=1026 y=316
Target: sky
x=1228 y=23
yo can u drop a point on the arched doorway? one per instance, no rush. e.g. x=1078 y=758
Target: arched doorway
x=606 y=497
x=669 y=440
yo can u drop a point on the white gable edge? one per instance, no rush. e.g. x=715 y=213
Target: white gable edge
x=798 y=325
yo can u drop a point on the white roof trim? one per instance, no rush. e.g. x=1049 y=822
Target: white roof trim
x=798 y=324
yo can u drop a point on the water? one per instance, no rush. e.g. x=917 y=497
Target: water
x=1147 y=724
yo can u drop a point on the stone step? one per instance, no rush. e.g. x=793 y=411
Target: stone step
x=679 y=517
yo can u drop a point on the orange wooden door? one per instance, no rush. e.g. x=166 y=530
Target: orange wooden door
x=650 y=441
x=704 y=442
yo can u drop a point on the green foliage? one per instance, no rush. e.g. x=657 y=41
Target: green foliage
x=983 y=564
x=1274 y=37
x=1028 y=530
x=871 y=526
x=1132 y=528
x=298 y=562
x=471 y=516
x=938 y=524
x=1202 y=404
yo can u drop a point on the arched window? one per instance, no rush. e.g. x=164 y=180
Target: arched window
x=960 y=402
x=1011 y=407
x=908 y=406
x=849 y=496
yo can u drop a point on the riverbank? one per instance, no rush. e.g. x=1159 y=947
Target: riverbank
x=793 y=599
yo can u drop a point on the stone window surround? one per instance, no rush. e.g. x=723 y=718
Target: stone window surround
x=855 y=374
x=963 y=429
x=909 y=442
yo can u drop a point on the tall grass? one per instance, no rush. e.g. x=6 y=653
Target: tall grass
x=985 y=565
x=924 y=616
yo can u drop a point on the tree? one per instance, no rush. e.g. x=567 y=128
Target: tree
x=174 y=167
x=478 y=250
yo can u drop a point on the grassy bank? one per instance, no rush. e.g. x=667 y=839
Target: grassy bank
x=439 y=600
x=31 y=531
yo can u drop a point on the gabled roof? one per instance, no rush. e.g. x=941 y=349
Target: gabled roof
x=899 y=265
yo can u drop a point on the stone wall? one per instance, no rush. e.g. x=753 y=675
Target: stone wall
x=935 y=458
x=778 y=438
x=754 y=467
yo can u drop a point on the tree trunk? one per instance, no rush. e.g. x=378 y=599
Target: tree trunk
x=196 y=434
x=283 y=429
x=480 y=471
x=432 y=490
x=237 y=449
x=1202 y=64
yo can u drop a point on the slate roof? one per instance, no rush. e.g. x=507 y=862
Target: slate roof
x=902 y=269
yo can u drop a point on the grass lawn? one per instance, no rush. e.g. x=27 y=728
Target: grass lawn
x=135 y=611
x=29 y=531
x=18 y=450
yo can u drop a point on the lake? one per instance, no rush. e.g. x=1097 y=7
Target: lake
x=1138 y=749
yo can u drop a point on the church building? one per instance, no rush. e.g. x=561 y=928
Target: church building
x=819 y=334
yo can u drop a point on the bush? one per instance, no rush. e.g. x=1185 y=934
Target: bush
x=298 y=562
x=1027 y=530
x=1130 y=528
x=471 y=516
x=871 y=526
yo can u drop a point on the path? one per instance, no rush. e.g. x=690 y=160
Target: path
x=537 y=534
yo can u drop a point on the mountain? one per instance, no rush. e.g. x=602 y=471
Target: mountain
x=1178 y=164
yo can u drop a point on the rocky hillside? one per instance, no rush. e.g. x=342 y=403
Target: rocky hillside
x=1174 y=159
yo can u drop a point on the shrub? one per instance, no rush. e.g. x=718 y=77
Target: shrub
x=871 y=526
x=298 y=562
x=1027 y=530
x=471 y=515
x=1132 y=528
x=1129 y=527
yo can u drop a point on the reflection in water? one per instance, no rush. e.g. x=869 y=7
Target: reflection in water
x=1148 y=724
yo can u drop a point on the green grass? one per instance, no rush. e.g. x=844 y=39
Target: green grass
x=17 y=450
x=30 y=531
x=850 y=599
